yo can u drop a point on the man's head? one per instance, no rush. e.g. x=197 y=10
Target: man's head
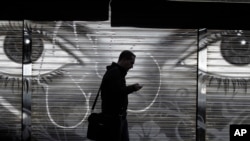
x=126 y=59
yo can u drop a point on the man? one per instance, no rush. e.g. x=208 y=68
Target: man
x=114 y=95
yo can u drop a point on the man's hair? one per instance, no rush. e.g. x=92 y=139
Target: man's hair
x=126 y=54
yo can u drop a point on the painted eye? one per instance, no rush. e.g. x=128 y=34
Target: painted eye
x=49 y=50
x=235 y=48
x=14 y=42
x=224 y=56
x=221 y=51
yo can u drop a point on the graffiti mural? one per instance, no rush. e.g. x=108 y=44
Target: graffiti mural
x=227 y=81
x=51 y=71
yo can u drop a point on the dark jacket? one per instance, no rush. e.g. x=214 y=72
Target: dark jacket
x=114 y=91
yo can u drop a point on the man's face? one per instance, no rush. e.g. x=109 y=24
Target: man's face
x=129 y=63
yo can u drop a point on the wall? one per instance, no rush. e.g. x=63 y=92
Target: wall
x=195 y=80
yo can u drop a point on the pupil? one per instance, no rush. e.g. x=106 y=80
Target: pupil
x=23 y=49
x=236 y=50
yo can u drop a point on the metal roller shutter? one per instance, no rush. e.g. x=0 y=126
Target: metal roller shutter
x=226 y=80
x=11 y=79
x=195 y=81
x=74 y=59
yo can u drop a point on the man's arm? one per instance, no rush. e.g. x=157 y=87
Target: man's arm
x=132 y=88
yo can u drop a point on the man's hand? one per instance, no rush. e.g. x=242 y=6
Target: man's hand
x=137 y=86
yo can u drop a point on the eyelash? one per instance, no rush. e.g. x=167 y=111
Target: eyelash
x=206 y=77
x=236 y=83
x=15 y=81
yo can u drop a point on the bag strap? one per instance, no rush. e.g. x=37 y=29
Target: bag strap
x=93 y=106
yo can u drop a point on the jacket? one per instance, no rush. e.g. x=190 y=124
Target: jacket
x=114 y=91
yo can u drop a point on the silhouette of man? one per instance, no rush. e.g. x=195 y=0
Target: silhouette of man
x=114 y=95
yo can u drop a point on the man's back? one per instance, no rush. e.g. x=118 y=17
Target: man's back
x=114 y=98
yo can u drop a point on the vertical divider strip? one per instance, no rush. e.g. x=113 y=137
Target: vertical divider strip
x=201 y=88
x=26 y=86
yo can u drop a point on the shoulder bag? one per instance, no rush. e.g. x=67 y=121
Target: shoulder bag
x=95 y=122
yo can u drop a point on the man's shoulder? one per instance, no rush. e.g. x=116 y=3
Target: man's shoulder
x=112 y=72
